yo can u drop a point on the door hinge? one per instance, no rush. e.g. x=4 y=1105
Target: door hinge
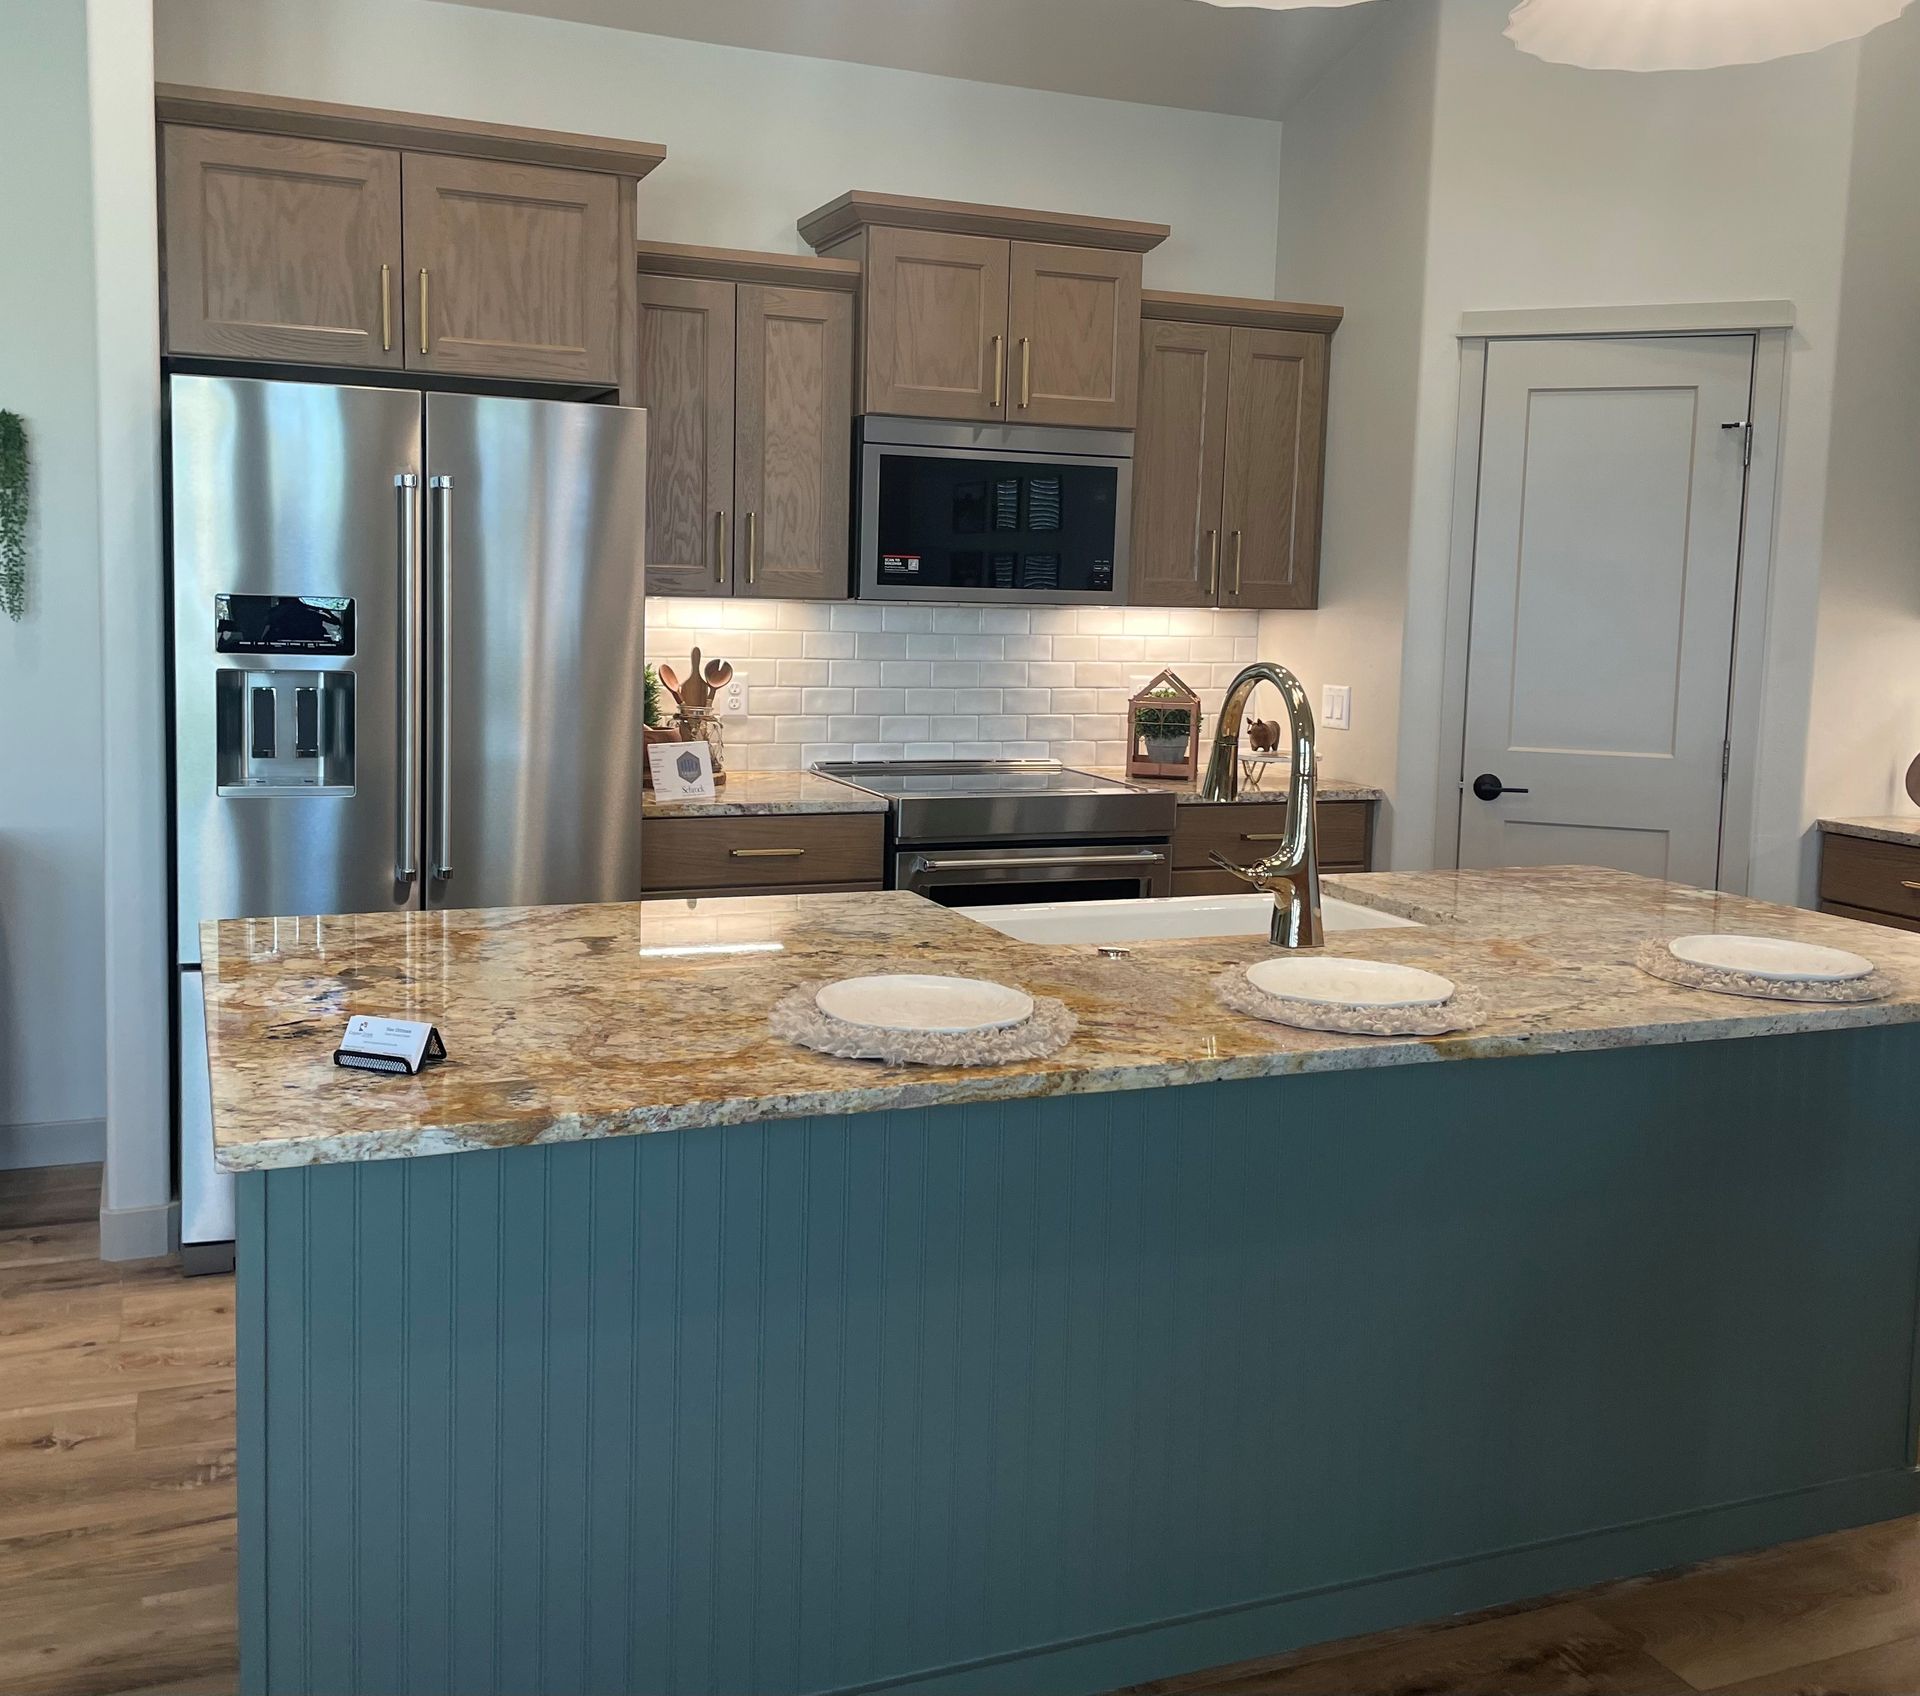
x=1745 y=427
x=1726 y=759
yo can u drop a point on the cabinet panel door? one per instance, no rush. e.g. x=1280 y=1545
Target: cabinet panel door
x=1276 y=439
x=1074 y=319
x=1179 y=462
x=936 y=327
x=275 y=247
x=512 y=270
x=686 y=383
x=794 y=442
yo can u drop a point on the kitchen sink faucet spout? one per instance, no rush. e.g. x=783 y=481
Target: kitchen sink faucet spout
x=1292 y=872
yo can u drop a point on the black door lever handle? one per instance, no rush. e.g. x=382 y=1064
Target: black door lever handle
x=1490 y=788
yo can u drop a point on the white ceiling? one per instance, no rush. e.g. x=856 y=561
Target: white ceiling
x=1161 y=52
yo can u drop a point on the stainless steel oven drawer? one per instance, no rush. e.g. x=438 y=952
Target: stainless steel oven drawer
x=961 y=877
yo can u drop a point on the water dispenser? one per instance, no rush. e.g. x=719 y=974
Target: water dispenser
x=283 y=731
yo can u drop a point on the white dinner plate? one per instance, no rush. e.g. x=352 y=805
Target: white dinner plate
x=907 y=1001
x=1771 y=958
x=1332 y=982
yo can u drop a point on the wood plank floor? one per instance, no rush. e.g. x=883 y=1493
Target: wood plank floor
x=117 y=1564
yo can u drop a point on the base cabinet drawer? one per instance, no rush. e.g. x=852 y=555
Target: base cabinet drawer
x=1893 y=921
x=763 y=853
x=1883 y=878
x=1246 y=831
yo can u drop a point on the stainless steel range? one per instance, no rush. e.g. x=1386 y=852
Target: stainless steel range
x=973 y=832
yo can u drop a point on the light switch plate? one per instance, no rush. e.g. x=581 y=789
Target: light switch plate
x=1336 y=706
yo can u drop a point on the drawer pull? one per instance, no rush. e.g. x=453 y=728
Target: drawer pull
x=766 y=853
x=1910 y=883
x=1263 y=836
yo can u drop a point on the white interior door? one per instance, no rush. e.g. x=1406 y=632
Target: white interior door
x=1606 y=561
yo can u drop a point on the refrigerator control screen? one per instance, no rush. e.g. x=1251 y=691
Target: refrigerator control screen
x=282 y=624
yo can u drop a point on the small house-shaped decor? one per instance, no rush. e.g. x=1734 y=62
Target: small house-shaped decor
x=1163 y=730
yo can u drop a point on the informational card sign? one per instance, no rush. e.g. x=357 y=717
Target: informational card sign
x=373 y=1044
x=682 y=771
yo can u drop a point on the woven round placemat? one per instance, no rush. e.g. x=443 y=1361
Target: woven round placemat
x=797 y=1018
x=1461 y=1011
x=1657 y=960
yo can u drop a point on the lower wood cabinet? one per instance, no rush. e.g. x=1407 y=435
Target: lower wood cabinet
x=763 y=853
x=748 y=388
x=1876 y=882
x=1246 y=831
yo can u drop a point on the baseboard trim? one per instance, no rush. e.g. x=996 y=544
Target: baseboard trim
x=139 y=1233
x=59 y=1142
x=1276 y=1625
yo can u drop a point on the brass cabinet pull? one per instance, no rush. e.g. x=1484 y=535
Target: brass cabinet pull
x=1909 y=883
x=1026 y=371
x=999 y=371
x=1236 y=561
x=1213 y=562
x=386 y=310
x=423 y=310
x=766 y=853
x=1264 y=835
x=720 y=546
x=753 y=544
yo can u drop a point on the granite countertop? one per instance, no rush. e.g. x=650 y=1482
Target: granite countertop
x=572 y=1022
x=769 y=792
x=809 y=792
x=1887 y=827
x=1188 y=794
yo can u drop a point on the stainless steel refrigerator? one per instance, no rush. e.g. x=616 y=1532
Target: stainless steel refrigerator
x=407 y=670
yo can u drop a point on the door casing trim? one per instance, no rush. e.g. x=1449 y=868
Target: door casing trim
x=1753 y=590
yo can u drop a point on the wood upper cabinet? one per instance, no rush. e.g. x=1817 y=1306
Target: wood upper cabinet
x=992 y=314
x=686 y=383
x=1179 y=464
x=513 y=270
x=1229 y=454
x=936 y=330
x=309 y=233
x=1073 y=323
x=793 y=441
x=748 y=387
x=281 y=247
x=1276 y=437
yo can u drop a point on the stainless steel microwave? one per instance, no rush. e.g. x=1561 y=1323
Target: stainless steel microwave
x=992 y=512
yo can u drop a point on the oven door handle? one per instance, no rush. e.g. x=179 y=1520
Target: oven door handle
x=1015 y=862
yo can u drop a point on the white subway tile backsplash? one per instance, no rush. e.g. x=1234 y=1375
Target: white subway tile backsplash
x=857 y=681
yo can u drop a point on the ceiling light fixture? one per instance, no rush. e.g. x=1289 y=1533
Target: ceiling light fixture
x=1284 y=5
x=1688 y=35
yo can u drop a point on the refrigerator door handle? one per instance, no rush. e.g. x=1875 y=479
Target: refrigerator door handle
x=440 y=490
x=407 y=861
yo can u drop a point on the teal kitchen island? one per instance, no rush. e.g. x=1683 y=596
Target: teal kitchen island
x=632 y=1349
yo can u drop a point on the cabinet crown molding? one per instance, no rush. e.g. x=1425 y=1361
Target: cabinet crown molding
x=740 y=265
x=1236 y=309
x=324 y=120
x=858 y=209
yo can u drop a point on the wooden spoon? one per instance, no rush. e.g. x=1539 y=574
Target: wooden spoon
x=669 y=680
x=718 y=674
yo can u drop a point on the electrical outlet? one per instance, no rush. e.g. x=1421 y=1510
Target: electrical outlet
x=1336 y=706
x=733 y=698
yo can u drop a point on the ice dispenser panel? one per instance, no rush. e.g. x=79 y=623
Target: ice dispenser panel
x=284 y=732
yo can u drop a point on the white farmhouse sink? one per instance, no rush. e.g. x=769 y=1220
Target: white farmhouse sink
x=1173 y=919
